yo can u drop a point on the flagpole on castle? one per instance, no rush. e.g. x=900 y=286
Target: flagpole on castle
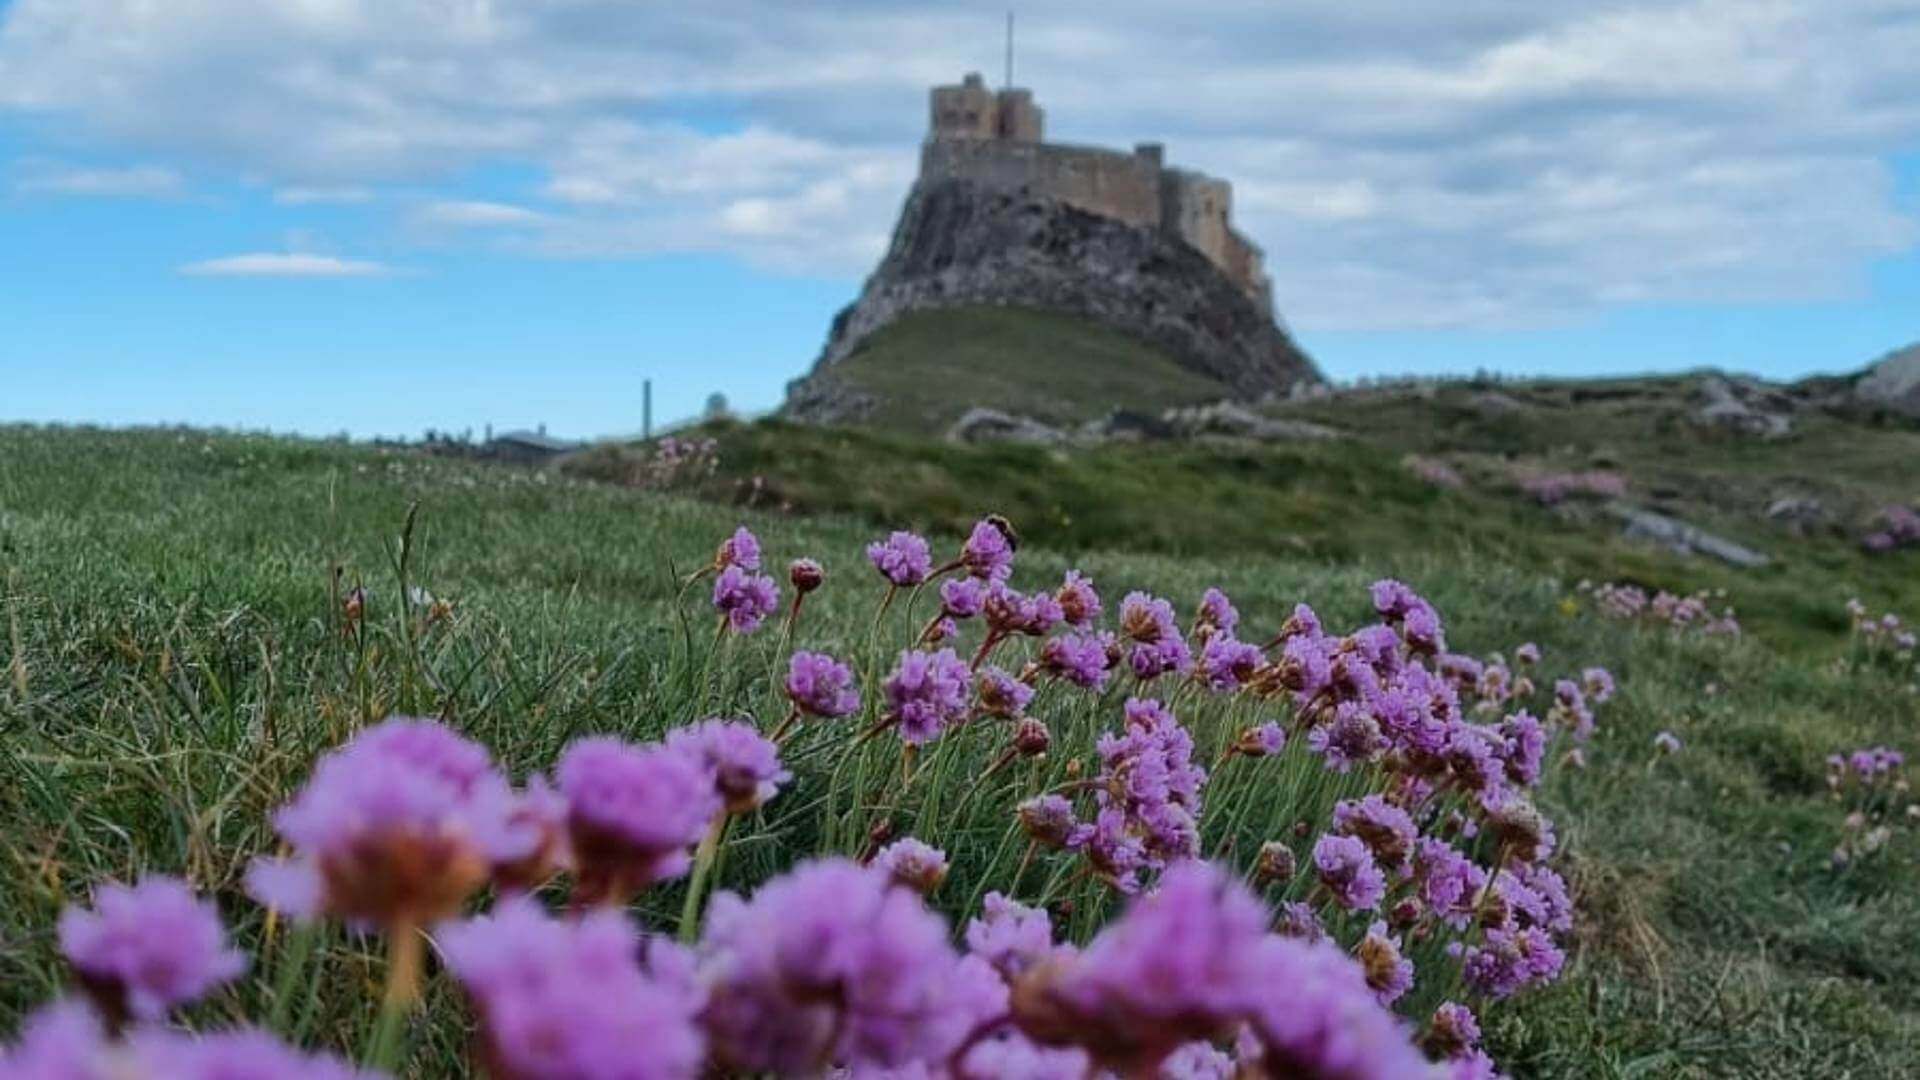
x=1008 y=85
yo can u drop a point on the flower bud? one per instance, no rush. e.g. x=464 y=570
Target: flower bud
x=1032 y=737
x=805 y=575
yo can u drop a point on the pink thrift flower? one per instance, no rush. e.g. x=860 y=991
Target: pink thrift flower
x=832 y=963
x=742 y=549
x=397 y=827
x=1001 y=695
x=1315 y=1015
x=962 y=598
x=902 y=558
x=744 y=599
x=917 y=865
x=1010 y=936
x=821 y=686
x=569 y=998
x=745 y=764
x=926 y=693
x=988 y=552
x=143 y=950
x=634 y=813
x=1346 y=867
x=1388 y=973
x=1175 y=967
x=1079 y=603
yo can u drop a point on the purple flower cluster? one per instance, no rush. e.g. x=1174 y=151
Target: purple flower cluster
x=927 y=693
x=64 y=1041
x=744 y=765
x=1147 y=796
x=1898 y=527
x=634 y=813
x=833 y=964
x=988 y=552
x=395 y=828
x=742 y=549
x=1347 y=869
x=1679 y=612
x=818 y=685
x=744 y=599
x=572 y=998
x=1157 y=646
x=902 y=558
x=1193 y=961
x=143 y=950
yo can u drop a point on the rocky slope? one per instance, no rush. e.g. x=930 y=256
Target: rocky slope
x=958 y=244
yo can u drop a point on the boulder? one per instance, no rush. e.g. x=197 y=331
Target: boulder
x=1743 y=407
x=1798 y=514
x=1683 y=538
x=981 y=425
x=1893 y=383
x=1232 y=419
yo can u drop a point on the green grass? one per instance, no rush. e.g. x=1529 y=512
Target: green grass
x=1352 y=501
x=927 y=368
x=175 y=663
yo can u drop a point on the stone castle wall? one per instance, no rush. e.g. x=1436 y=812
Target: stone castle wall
x=995 y=139
x=1125 y=187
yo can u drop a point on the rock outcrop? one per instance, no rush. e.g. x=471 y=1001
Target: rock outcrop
x=1893 y=383
x=959 y=243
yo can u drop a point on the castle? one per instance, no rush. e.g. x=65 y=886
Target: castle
x=996 y=139
x=998 y=217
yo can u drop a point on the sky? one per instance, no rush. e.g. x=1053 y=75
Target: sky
x=382 y=216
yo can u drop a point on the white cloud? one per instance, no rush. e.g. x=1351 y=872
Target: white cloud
x=308 y=196
x=285 y=265
x=476 y=214
x=1478 y=162
x=137 y=181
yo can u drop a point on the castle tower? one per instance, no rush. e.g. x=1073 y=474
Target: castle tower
x=971 y=111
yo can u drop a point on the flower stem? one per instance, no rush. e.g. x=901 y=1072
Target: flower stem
x=703 y=859
x=404 y=961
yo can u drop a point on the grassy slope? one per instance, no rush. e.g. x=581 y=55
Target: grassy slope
x=1351 y=500
x=1055 y=368
x=178 y=668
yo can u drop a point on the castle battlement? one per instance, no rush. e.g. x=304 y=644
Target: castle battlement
x=996 y=139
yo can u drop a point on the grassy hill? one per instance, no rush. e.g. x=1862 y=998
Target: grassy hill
x=176 y=659
x=927 y=368
x=1353 y=500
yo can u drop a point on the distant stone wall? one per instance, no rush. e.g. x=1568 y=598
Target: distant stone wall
x=1125 y=187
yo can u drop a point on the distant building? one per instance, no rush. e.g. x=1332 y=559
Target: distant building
x=997 y=138
x=528 y=447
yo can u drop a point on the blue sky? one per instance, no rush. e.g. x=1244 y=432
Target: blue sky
x=384 y=217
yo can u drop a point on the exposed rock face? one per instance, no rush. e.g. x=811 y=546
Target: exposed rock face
x=1744 y=406
x=1893 y=383
x=959 y=243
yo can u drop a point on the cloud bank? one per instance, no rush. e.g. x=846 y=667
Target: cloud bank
x=1479 y=163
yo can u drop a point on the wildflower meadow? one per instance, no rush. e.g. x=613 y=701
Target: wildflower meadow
x=410 y=791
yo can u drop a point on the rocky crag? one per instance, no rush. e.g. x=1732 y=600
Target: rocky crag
x=999 y=217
